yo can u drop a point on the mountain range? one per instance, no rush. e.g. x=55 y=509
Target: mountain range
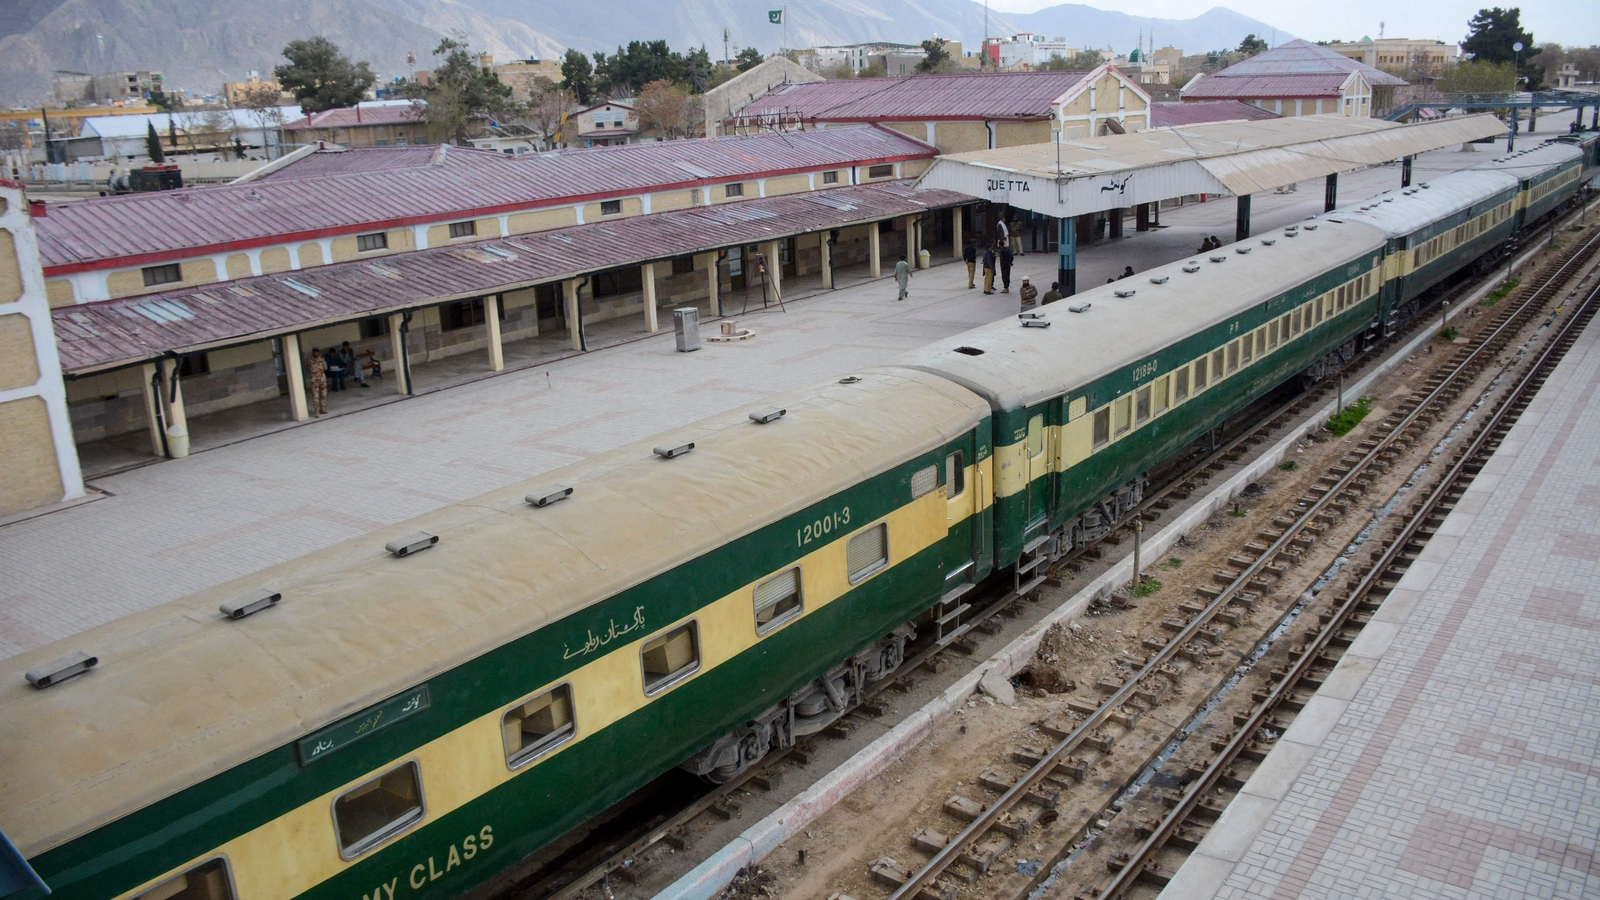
x=198 y=44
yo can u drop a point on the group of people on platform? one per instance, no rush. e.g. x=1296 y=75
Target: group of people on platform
x=336 y=365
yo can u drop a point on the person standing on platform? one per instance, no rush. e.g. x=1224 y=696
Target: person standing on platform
x=1127 y=272
x=902 y=276
x=1006 y=258
x=1051 y=295
x=1029 y=295
x=970 y=254
x=317 y=375
x=1015 y=232
x=988 y=270
x=352 y=364
x=335 y=370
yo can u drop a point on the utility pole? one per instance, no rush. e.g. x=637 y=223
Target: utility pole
x=725 y=37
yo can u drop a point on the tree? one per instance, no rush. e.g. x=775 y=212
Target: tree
x=461 y=94
x=698 y=70
x=638 y=64
x=748 y=59
x=260 y=100
x=1252 y=45
x=666 y=109
x=937 y=58
x=1476 y=76
x=1494 y=34
x=321 y=77
x=875 y=69
x=578 y=75
x=548 y=107
x=152 y=144
x=162 y=100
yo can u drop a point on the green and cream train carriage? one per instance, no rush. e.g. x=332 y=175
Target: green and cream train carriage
x=399 y=726
x=407 y=726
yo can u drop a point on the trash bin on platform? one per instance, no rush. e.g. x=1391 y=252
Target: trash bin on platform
x=686 y=325
x=924 y=259
x=177 y=441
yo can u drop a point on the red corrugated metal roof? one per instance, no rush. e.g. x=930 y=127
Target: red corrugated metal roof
x=1304 y=58
x=1163 y=115
x=333 y=159
x=140 y=229
x=357 y=115
x=1215 y=87
x=112 y=333
x=998 y=95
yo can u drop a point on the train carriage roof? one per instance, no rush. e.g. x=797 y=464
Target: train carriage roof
x=182 y=694
x=1405 y=211
x=1536 y=159
x=1023 y=366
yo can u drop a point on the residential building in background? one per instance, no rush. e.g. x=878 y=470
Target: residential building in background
x=233 y=92
x=375 y=123
x=1399 y=53
x=81 y=88
x=521 y=74
x=607 y=124
x=957 y=113
x=1298 y=78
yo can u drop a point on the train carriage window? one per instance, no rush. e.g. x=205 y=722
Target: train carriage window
x=867 y=552
x=1217 y=370
x=1141 y=405
x=538 y=725
x=1318 y=309
x=923 y=481
x=1247 y=352
x=670 y=657
x=207 y=881
x=1122 y=415
x=955 y=474
x=1272 y=334
x=777 y=600
x=1200 y=375
x=1160 y=394
x=1180 y=384
x=1035 y=436
x=1102 y=427
x=1233 y=357
x=378 y=809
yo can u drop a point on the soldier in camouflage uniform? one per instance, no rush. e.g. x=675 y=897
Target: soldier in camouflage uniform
x=317 y=369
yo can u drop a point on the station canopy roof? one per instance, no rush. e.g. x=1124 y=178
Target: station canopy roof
x=1122 y=170
x=111 y=334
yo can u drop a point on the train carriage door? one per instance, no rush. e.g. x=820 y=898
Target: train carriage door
x=965 y=536
x=1041 y=474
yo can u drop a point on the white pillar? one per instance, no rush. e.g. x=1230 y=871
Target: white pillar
x=774 y=251
x=874 y=257
x=647 y=274
x=955 y=232
x=172 y=395
x=397 y=349
x=569 y=294
x=827 y=262
x=293 y=367
x=491 y=318
x=713 y=284
x=148 y=372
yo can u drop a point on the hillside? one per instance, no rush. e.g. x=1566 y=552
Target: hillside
x=198 y=44
x=1218 y=28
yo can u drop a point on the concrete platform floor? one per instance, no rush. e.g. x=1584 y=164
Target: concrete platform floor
x=168 y=529
x=1454 y=752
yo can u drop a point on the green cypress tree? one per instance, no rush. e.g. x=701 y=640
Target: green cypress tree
x=152 y=145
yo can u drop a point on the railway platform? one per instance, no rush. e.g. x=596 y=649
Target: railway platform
x=1453 y=752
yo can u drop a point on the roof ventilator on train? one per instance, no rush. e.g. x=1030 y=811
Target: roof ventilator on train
x=673 y=452
x=412 y=543
x=251 y=603
x=553 y=494
x=59 y=670
x=767 y=414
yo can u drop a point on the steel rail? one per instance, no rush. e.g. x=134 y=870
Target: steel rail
x=1140 y=858
x=952 y=850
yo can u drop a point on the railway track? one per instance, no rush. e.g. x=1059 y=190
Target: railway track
x=580 y=868
x=1031 y=799
x=1145 y=870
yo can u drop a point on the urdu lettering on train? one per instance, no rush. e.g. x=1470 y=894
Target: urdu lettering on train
x=595 y=641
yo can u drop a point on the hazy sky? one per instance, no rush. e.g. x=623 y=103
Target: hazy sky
x=1562 y=21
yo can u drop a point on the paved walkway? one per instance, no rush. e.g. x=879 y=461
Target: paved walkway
x=1454 y=752
x=175 y=527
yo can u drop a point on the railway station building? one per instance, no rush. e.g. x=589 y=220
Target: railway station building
x=1297 y=78
x=441 y=263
